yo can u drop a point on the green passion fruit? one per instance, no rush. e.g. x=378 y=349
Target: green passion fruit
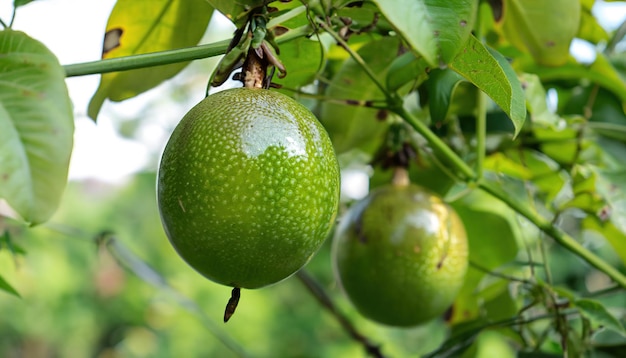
x=400 y=255
x=248 y=187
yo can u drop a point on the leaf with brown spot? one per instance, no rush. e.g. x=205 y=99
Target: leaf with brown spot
x=137 y=27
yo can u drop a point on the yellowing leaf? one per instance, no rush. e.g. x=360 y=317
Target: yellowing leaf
x=143 y=26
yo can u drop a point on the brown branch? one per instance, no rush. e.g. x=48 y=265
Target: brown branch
x=324 y=299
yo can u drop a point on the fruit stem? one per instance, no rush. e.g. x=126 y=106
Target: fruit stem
x=400 y=177
x=231 y=306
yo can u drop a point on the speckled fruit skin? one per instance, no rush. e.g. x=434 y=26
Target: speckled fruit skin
x=248 y=187
x=400 y=255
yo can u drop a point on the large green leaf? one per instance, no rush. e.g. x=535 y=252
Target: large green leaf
x=143 y=26
x=36 y=127
x=544 y=28
x=491 y=72
x=435 y=29
x=358 y=126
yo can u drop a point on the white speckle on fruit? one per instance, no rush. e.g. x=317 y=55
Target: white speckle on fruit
x=264 y=186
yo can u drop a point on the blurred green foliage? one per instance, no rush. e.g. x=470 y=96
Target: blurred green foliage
x=80 y=302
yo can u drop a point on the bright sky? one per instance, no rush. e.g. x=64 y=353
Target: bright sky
x=73 y=30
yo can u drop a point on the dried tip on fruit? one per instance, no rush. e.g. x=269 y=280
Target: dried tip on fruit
x=231 y=306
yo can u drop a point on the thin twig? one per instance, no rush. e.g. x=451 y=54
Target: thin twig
x=498 y=274
x=606 y=291
x=464 y=335
x=324 y=299
x=370 y=103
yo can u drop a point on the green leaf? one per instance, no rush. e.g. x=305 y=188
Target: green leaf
x=590 y=29
x=610 y=220
x=462 y=337
x=491 y=344
x=441 y=85
x=6 y=287
x=586 y=196
x=598 y=314
x=532 y=25
x=404 y=69
x=530 y=165
x=351 y=126
x=607 y=116
x=232 y=9
x=137 y=27
x=36 y=127
x=488 y=70
x=302 y=59
x=608 y=231
x=14 y=249
x=536 y=101
x=18 y=3
x=560 y=145
x=601 y=71
x=500 y=163
x=503 y=305
x=492 y=229
x=437 y=30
